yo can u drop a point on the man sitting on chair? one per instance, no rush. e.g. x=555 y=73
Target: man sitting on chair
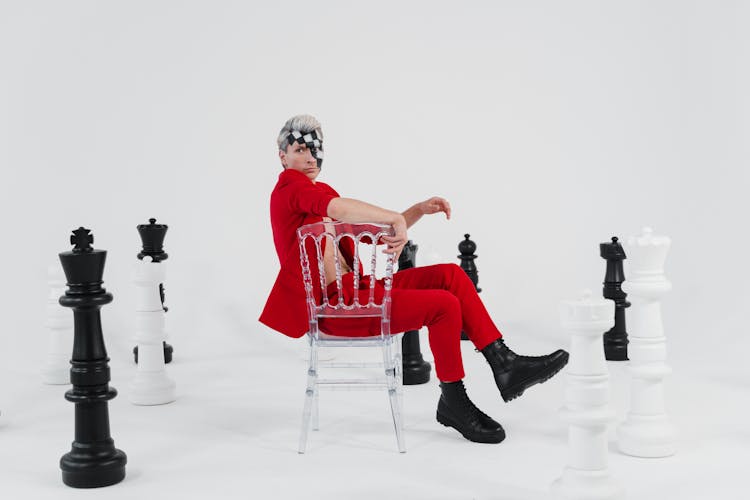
x=440 y=297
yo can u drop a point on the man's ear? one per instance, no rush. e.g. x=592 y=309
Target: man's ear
x=282 y=157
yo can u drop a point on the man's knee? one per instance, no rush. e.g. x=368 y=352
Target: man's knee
x=454 y=273
x=448 y=270
x=445 y=307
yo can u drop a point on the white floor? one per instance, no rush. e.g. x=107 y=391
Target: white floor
x=233 y=431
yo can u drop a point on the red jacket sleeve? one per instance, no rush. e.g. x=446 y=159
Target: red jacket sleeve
x=306 y=197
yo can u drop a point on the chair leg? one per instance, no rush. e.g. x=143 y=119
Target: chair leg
x=400 y=379
x=316 y=411
x=389 y=361
x=305 y=420
x=312 y=379
x=398 y=423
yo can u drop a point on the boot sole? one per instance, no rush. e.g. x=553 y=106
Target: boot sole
x=511 y=393
x=449 y=422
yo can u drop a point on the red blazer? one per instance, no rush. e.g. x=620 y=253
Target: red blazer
x=295 y=201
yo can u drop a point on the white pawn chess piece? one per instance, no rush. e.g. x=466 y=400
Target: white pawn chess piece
x=647 y=431
x=586 y=410
x=151 y=385
x=59 y=323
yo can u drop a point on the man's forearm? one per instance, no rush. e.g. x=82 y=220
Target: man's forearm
x=355 y=211
x=412 y=215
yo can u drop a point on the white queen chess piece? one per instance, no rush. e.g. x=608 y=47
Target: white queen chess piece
x=151 y=385
x=586 y=410
x=647 y=430
x=59 y=324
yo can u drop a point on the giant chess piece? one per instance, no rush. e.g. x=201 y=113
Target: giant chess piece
x=415 y=369
x=152 y=237
x=586 y=410
x=56 y=367
x=151 y=385
x=93 y=460
x=647 y=431
x=467 y=256
x=616 y=339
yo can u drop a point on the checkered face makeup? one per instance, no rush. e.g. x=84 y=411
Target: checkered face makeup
x=312 y=141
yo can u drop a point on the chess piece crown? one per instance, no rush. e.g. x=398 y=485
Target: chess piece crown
x=408 y=256
x=649 y=252
x=152 y=237
x=84 y=268
x=585 y=311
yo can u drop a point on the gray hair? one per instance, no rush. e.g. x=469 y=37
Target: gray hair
x=304 y=123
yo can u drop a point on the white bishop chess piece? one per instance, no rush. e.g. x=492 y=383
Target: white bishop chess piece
x=59 y=323
x=647 y=430
x=586 y=410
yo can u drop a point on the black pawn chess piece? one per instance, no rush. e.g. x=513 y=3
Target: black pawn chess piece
x=93 y=460
x=467 y=256
x=415 y=369
x=152 y=238
x=616 y=339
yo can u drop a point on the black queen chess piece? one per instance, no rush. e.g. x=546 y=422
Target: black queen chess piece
x=415 y=369
x=152 y=239
x=93 y=460
x=616 y=338
x=467 y=256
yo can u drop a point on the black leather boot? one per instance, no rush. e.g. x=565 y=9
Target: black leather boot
x=456 y=410
x=514 y=374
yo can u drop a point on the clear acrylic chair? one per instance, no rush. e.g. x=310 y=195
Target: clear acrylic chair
x=311 y=240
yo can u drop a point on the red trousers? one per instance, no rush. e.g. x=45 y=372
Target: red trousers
x=442 y=298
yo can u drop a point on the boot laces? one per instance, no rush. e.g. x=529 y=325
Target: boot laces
x=505 y=356
x=468 y=407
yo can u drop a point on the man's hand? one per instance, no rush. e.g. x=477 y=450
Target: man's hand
x=434 y=205
x=395 y=243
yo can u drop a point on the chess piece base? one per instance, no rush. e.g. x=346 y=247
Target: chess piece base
x=615 y=352
x=92 y=469
x=152 y=388
x=647 y=436
x=416 y=370
x=586 y=485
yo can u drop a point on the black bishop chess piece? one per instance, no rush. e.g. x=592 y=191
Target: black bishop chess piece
x=152 y=239
x=415 y=369
x=93 y=460
x=467 y=256
x=616 y=339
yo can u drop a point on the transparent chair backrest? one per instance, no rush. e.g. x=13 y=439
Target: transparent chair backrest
x=337 y=233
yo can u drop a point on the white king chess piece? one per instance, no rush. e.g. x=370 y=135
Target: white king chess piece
x=151 y=385
x=586 y=410
x=647 y=431
x=56 y=367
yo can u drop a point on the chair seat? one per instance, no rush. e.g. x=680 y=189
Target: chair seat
x=325 y=339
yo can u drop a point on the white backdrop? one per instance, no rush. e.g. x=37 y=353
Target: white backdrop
x=550 y=126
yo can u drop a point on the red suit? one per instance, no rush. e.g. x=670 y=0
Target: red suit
x=441 y=297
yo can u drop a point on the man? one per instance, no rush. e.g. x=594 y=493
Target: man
x=441 y=297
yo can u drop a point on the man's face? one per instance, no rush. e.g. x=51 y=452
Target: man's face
x=298 y=157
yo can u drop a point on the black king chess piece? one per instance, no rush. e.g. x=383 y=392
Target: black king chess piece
x=616 y=339
x=152 y=238
x=93 y=460
x=467 y=249
x=415 y=369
